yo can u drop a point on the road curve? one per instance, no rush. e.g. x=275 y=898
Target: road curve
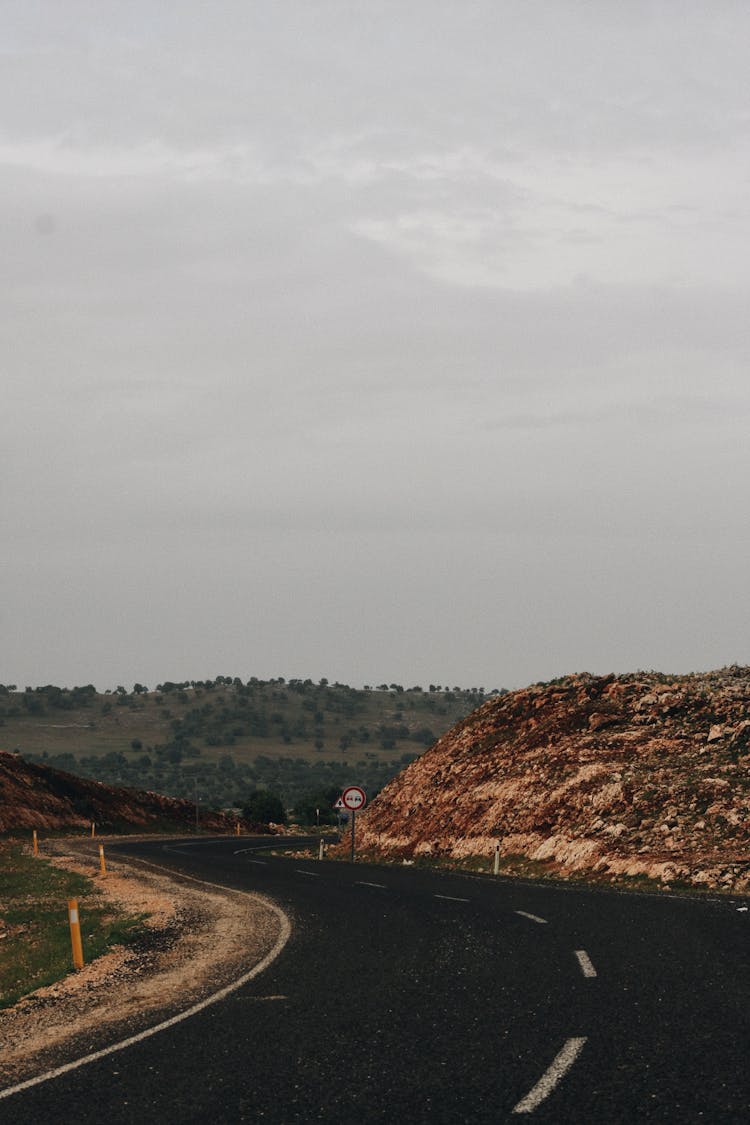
x=415 y=996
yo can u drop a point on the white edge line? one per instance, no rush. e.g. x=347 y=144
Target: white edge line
x=533 y=917
x=283 y=938
x=557 y=1069
x=452 y=898
x=584 y=961
x=361 y=883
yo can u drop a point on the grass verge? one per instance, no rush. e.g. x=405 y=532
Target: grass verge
x=34 y=933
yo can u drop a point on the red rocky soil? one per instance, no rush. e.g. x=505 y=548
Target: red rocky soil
x=635 y=775
x=34 y=796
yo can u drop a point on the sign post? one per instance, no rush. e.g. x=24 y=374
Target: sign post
x=353 y=798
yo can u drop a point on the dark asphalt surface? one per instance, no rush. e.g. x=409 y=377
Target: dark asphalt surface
x=391 y=1004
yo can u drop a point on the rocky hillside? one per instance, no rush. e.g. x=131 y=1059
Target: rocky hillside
x=636 y=775
x=33 y=796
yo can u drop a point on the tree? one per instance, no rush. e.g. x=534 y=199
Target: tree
x=264 y=807
x=305 y=807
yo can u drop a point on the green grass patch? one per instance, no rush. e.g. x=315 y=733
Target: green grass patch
x=34 y=932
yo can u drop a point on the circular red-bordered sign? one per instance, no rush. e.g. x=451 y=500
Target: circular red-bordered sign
x=353 y=798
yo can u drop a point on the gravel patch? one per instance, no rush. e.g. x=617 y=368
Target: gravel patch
x=195 y=939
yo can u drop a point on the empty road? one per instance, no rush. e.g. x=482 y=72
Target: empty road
x=405 y=995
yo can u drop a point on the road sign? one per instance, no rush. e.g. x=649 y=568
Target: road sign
x=354 y=798
x=339 y=804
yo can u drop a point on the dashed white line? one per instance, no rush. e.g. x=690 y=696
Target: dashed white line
x=557 y=1069
x=584 y=961
x=452 y=898
x=533 y=917
x=315 y=874
x=361 y=883
x=244 y=851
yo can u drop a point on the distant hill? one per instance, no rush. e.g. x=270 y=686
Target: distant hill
x=641 y=776
x=34 y=796
x=222 y=738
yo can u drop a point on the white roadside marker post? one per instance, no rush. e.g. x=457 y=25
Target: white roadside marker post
x=102 y=864
x=75 y=933
x=36 y=844
x=496 y=869
x=321 y=849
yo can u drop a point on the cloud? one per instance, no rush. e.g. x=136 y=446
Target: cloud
x=621 y=221
x=154 y=159
x=452 y=290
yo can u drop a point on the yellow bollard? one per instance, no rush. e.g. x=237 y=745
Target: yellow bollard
x=36 y=844
x=102 y=864
x=75 y=933
x=93 y=829
x=238 y=827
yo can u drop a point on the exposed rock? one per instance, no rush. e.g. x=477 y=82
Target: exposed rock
x=638 y=775
x=34 y=796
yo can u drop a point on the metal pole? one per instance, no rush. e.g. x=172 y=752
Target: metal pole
x=354 y=815
x=196 y=807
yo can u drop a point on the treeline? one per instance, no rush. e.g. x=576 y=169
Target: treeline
x=227 y=783
x=225 y=711
x=40 y=700
x=225 y=737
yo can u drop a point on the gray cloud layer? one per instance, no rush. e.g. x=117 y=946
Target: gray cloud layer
x=373 y=340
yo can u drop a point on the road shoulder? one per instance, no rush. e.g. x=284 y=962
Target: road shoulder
x=197 y=939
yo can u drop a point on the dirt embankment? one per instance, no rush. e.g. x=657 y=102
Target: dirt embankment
x=643 y=775
x=35 y=796
x=196 y=939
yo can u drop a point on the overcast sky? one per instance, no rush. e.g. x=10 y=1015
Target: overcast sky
x=382 y=341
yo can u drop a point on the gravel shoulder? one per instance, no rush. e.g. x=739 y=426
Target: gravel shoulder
x=196 y=939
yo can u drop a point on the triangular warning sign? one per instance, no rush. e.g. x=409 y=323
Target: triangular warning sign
x=339 y=804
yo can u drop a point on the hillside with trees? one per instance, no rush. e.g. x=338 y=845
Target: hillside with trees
x=222 y=740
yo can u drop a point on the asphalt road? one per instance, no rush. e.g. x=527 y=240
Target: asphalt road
x=412 y=996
